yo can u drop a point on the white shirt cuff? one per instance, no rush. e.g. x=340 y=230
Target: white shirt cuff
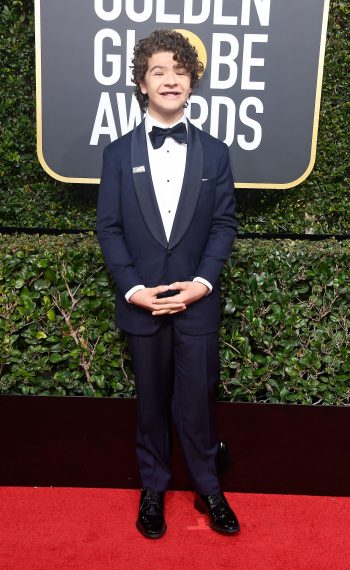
x=204 y=282
x=133 y=290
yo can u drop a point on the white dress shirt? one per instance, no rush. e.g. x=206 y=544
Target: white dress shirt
x=167 y=165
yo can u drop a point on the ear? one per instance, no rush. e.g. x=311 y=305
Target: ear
x=143 y=88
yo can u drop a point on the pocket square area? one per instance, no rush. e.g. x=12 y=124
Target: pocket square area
x=138 y=169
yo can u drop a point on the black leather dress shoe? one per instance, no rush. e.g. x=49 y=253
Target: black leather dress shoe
x=150 y=521
x=221 y=516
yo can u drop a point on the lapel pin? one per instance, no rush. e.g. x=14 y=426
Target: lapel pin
x=138 y=169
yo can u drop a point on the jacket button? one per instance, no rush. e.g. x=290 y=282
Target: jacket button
x=169 y=252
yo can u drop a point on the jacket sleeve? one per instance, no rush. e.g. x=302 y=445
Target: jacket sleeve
x=110 y=227
x=224 y=225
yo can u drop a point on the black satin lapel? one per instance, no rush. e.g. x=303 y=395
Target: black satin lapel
x=144 y=185
x=190 y=188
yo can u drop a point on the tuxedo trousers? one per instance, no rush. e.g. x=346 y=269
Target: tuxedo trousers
x=175 y=376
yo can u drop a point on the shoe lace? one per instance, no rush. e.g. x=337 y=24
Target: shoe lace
x=151 y=499
x=152 y=496
x=218 y=503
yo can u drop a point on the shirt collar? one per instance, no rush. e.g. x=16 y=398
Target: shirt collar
x=150 y=122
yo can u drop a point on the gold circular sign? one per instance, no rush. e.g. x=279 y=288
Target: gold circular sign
x=198 y=44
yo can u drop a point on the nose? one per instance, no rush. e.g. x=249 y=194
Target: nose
x=171 y=79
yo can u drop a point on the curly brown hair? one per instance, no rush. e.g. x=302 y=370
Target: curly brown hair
x=159 y=41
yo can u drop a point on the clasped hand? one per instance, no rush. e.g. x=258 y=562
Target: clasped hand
x=189 y=292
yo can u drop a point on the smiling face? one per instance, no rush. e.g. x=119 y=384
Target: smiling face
x=168 y=86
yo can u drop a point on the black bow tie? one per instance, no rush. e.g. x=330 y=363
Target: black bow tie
x=158 y=135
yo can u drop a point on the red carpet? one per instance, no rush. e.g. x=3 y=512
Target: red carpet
x=94 y=529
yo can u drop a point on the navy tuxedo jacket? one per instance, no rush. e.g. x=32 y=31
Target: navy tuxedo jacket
x=132 y=237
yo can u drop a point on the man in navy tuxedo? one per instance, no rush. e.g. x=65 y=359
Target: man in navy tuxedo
x=166 y=224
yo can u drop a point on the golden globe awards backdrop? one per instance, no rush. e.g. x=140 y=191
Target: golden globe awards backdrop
x=260 y=92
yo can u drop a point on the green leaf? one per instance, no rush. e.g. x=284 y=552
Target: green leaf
x=19 y=283
x=40 y=285
x=55 y=358
x=51 y=315
x=40 y=334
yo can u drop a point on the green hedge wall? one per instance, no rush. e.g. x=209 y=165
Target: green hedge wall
x=284 y=335
x=30 y=198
